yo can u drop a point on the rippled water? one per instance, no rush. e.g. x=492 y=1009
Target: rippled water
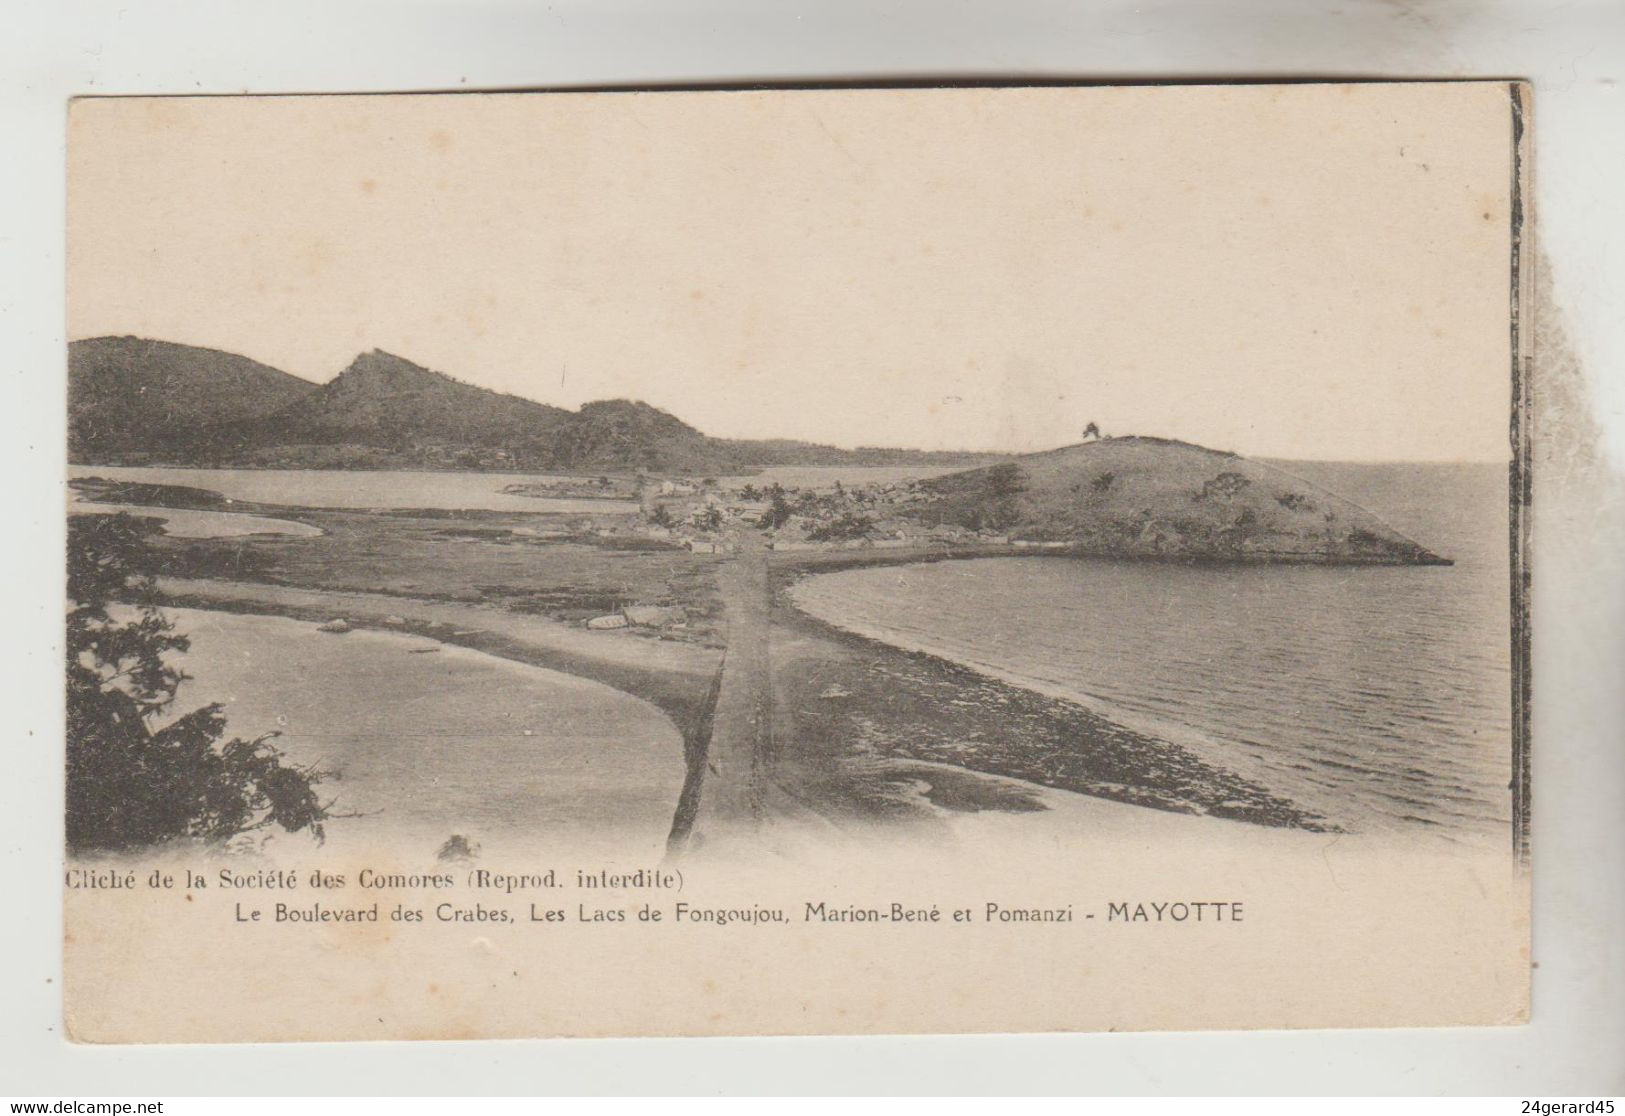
x=1378 y=697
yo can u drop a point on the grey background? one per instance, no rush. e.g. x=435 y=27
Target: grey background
x=1575 y=54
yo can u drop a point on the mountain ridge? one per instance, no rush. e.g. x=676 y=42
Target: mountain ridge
x=386 y=411
x=383 y=401
x=137 y=401
x=127 y=392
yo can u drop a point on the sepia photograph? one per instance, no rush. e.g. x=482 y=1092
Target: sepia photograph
x=795 y=561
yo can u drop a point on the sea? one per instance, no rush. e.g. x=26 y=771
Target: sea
x=1378 y=697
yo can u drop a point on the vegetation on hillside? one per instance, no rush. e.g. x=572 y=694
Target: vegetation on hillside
x=128 y=395
x=1137 y=497
x=385 y=402
x=143 y=402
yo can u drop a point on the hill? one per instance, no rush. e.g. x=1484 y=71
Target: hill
x=1138 y=497
x=131 y=396
x=383 y=405
x=767 y=452
x=155 y=402
x=615 y=434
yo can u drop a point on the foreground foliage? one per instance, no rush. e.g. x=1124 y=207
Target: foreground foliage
x=130 y=785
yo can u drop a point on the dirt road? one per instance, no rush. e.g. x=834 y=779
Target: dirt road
x=721 y=702
x=741 y=725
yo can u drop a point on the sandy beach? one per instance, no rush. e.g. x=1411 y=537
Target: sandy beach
x=449 y=741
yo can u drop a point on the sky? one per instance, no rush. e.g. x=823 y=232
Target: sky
x=1293 y=271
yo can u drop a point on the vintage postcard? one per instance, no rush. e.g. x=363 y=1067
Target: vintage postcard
x=797 y=561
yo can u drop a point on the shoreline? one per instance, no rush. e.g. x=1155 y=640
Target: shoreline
x=999 y=728
x=837 y=558
x=830 y=561
x=497 y=500
x=679 y=680
x=954 y=786
x=459 y=741
x=1054 y=740
x=1094 y=715
x=1171 y=735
